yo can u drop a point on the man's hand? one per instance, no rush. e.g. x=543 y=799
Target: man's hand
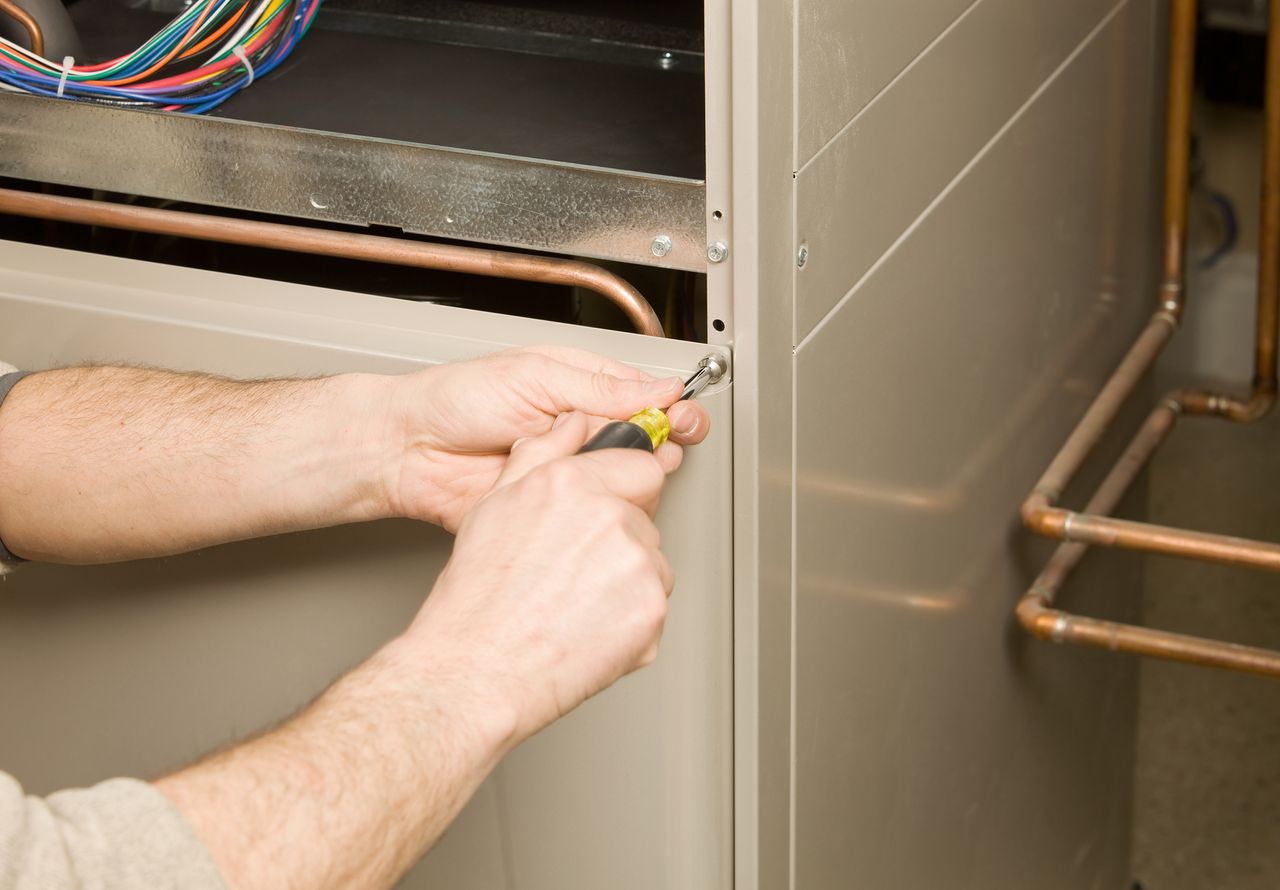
x=556 y=586
x=555 y=589
x=458 y=421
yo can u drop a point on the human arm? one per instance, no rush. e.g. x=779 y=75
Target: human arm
x=555 y=588
x=102 y=464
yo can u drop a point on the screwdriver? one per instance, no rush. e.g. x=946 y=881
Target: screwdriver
x=649 y=428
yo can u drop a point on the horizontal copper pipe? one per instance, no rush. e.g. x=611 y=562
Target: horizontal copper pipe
x=1124 y=534
x=351 y=245
x=1062 y=627
x=29 y=24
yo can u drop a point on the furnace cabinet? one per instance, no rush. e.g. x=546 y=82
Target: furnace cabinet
x=924 y=233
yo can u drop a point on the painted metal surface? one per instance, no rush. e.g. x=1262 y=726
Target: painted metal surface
x=450 y=193
x=137 y=668
x=866 y=188
x=934 y=748
x=761 y=186
x=848 y=52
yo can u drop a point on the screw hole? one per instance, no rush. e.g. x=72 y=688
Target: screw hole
x=718 y=325
x=716 y=214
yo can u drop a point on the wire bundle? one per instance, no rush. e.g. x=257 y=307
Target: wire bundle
x=214 y=49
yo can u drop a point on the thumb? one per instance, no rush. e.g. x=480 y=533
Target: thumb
x=566 y=436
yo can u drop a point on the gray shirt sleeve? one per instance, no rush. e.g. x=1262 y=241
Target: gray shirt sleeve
x=121 y=834
x=9 y=375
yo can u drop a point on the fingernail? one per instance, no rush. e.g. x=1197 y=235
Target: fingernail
x=518 y=442
x=560 y=421
x=684 y=422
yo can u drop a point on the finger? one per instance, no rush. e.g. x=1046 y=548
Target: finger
x=629 y=473
x=589 y=361
x=566 y=388
x=670 y=456
x=690 y=422
x=665 y=572
x=567 y=435
x=641 y=527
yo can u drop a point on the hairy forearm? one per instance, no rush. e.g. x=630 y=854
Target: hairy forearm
x=100 y=464
x=353 y=791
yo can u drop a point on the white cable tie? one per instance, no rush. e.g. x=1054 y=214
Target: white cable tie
x=67 y=62
x=239 y=53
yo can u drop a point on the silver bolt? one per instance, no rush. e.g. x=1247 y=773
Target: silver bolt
x=661 y=245
x=666 y=61
x=803 y=256
x=319 y=202
x=717 y=251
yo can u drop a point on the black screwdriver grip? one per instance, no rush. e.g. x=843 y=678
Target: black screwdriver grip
x=618 y=434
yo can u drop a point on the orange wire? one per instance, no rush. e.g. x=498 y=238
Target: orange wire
x=195 y=26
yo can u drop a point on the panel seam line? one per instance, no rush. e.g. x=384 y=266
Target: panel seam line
x=888 y=86
x=964 y=171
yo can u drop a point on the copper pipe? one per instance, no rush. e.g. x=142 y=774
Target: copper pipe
x=1093 y=527
x=25 y=19
x=1062 y=627
x=1091 y=428
x=1035 y=611
x=351 y=245
x=1177 y=152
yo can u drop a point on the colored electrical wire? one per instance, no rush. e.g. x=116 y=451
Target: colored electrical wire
x=207 y=54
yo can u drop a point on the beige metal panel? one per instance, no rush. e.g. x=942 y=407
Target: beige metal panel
x=137 y=668
x=763 y=284
x=867 y=187
x=935 y=745
x=850 y=50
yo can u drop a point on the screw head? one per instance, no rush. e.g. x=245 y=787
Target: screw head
x=802 y=256
x=717 y=251
x=661 y=245
x=666 y=61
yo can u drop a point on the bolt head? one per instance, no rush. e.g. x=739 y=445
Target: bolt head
x=802 y=256
x=717 y=251
x=661 y=246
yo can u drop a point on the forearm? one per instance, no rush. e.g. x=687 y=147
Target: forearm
x=353 y=791
x=102 y=463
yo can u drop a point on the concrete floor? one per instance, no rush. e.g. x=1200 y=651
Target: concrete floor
x=1207 y=801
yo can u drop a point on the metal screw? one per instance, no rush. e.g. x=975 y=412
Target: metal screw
x=661 y=246
x=319 y=202
x=717 y=251
x=666 y=61
x=803 y=256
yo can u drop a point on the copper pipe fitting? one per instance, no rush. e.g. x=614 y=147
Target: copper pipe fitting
x=1093 y=527
x=29 y=24
x=351 y=245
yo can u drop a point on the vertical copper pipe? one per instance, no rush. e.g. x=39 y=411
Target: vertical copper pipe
x=29 y=24
x=1177 y=152
x=1269 y=231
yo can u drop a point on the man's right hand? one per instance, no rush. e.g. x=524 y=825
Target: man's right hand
x=556 y=586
